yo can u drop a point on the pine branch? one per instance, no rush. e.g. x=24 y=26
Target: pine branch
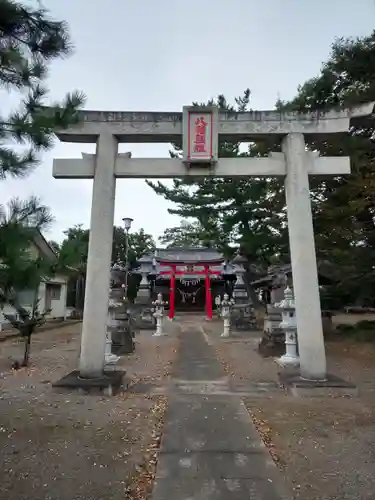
x=29 y=40
x=16 y=164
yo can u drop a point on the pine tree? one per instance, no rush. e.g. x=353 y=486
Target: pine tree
x=188 y=234
x=19 y=269
x=344 y=207
x=19 y=223
x=29 y=40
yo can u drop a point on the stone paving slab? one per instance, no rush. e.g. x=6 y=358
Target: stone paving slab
x=208 y=388
x=200 y=465
x=183 y=488
x=197 y=360
x=215 y=423
x=201 y=367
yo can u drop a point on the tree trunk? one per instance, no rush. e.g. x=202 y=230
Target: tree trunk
x=82 y=286
x=77 y=294
x=247 y=278
x=26 y=355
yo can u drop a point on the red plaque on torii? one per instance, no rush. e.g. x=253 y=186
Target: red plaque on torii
x=200 y=135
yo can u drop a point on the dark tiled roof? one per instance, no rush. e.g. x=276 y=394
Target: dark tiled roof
x=146 y=258
x=239 y=259
x=184 y=255
x=283 y=268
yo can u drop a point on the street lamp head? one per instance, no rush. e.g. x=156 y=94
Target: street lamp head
x=127 y=222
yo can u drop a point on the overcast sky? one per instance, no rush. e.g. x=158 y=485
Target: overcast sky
x=148 y=55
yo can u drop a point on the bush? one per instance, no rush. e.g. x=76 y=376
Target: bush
x=365 y=335
x=345 y=328
x=363 y=331
x=365 y=324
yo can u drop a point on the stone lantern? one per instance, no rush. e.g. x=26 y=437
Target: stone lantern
x=289 y=326
x=217 y=304
x=143 y=295
x=119 y=337
x=239 y=291
x=226 y=309
x=159 y=305
x=109 y=358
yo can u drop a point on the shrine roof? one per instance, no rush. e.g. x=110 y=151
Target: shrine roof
x=274 y=272
x=183 y=255
x=188 y=255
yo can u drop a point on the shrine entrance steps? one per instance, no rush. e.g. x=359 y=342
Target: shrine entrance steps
x=182 y=309
x=198 y=314
x=190 y=318
x=210 y=448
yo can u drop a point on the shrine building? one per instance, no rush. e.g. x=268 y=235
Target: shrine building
x=190 y=278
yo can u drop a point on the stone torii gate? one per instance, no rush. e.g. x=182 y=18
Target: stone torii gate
x=200 y=129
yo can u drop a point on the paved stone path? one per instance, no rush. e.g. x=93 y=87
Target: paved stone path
x=210 y=449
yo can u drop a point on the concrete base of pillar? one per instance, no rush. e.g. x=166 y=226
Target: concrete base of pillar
x=332 y=386
x=226 y=333
x=109 y=383
x=287 y=360
x=111 y=361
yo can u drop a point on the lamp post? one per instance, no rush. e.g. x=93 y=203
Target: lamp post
x=127 y=225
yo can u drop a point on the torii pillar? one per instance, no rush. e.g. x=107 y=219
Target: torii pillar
x=91 y=361
x=303 y=259
x=295 y=164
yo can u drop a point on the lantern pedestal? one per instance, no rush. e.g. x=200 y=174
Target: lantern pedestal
x=110 y=360
x=226 y=309
x=289 y=326
x=290 y=358
x=159 y=326
x=159 y=315
x=226 y=331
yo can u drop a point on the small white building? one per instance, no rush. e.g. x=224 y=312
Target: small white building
x=52 y=291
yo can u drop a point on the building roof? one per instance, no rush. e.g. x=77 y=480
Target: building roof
x=43 y=246
x=162 y=258
x=185 y=255
x=48 y=252
x=275 y=271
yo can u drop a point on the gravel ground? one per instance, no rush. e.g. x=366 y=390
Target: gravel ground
x=68 y=446
x=324 y=446
x=74 y=447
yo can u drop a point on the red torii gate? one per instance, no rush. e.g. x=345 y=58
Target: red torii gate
x=172 y=272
